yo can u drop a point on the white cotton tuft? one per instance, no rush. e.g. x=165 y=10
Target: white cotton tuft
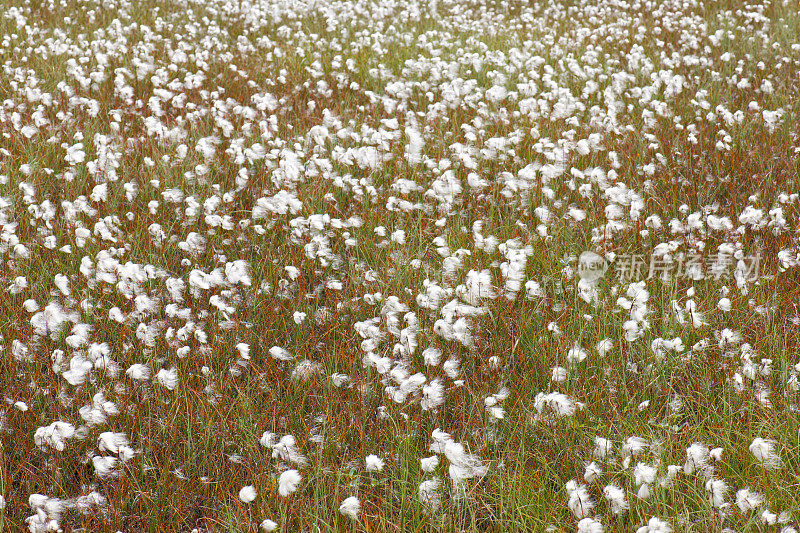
x=268 y=525
x=696 y=458
x=168 y=378
x=428 y=493
x=113 y=442
x=746 y=500
x=559 y=374
x=655 y=525
x=350 y=507
x=105 y=466
x=462 y=464
x=602 y=447
x=280 y=354
x=288 y=482
x=268 y=439
x=244 y=350
x=54 y=436
x=238 y=272
x=432 y=356
x=604 y=346
x=590 y=525
x=764 y=452
x=373 y=463
x=580 y=502
x=576 y=354
x=247 y=494
x=47 y=513
x=477 y=287
x=644 y=474
x=305 y=370
x=718 y=491
x=768 y=517
x=429 y=464
x=616 y=498
x=592 y=472
x=432 y=395
x=554 y=404
x=413 y=150
x=284 y=449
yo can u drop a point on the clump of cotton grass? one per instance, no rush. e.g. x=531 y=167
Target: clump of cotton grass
x=306 y=370
x=697 y=455
x=283 y=448
x=167 y=378
x=764 y=452
x=373 y=463
x=554 y=405
x=602 y=448
x=139 y=372
x=54 y=436
x=106 y=467
x=247 y=494
x=268 y=525
x=644 y=476
x=463 y=465
x=579 y=501
x=429 y=464
x=280 y=354
x=288 y=482
x=429 y=495
x=492 y=404
x=350 y=507
x=47 y=515
x=616 y=498
x=590 y=525
x=655 y=525
x=717 y=492
x=592 y=472
x=747 y=500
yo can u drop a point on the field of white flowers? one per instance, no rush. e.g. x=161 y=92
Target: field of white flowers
x=400 y=265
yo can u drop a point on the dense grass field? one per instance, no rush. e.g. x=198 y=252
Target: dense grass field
x=399 y=266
